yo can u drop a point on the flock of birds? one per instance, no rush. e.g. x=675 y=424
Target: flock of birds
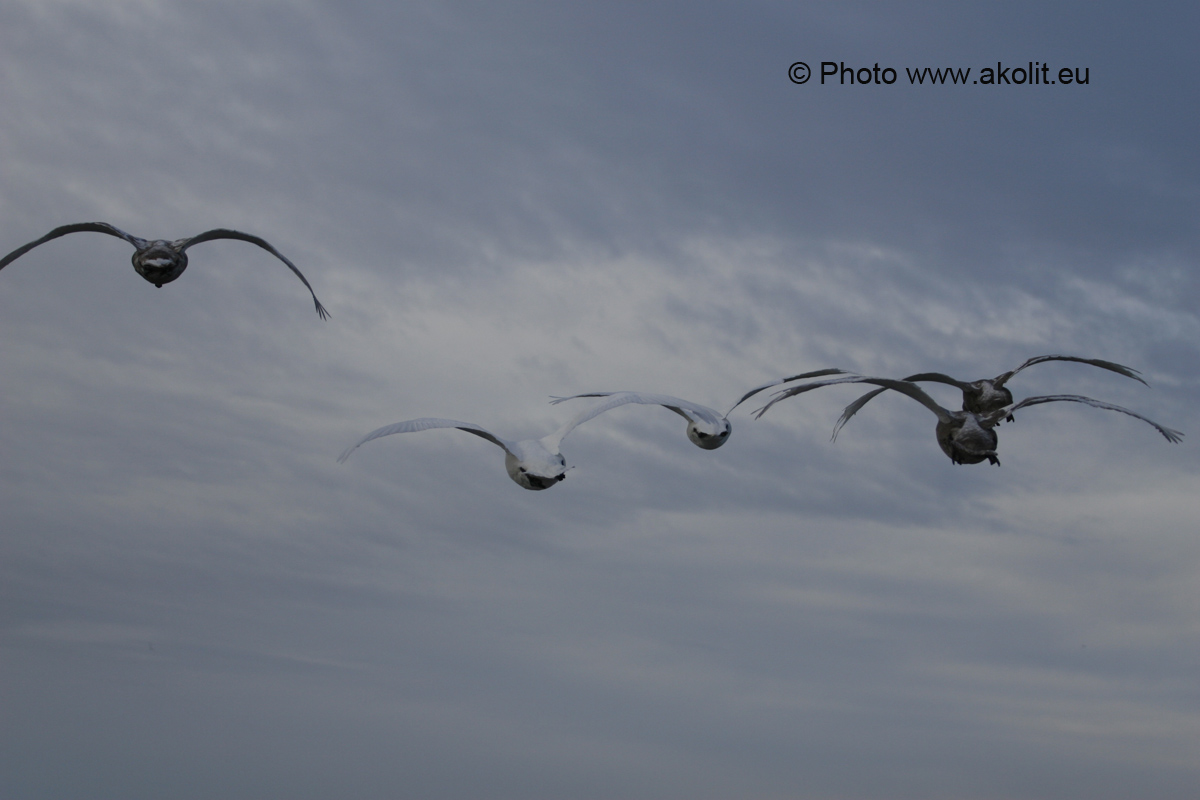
x=966 y=436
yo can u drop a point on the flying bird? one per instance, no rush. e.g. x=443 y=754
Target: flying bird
x=161 y=261
x=534 y=464
x=987 y=395
x=966 y=437
x=707 y=428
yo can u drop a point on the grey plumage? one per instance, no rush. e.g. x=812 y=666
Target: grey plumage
x=986 y=394
x=161 y=261
x=966 y=437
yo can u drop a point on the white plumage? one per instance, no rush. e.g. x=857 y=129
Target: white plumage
x=532 y=463
x=707 y=428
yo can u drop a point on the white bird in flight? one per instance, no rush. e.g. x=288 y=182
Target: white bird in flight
x=707 y=428
x=965 y=436
x=533 y=463
x=161 y=261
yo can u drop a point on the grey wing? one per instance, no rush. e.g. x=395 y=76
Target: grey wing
x=913 y=391
x=852 y=409
x=994 y=418
x=555 y=400
x=939 y=377
x=1120 y=369
x=226 y=233
x=803 y=376
x=424 y=424
x=808 y=387
x=904 y=387
x=78 y=227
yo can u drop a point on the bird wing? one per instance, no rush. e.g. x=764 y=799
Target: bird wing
x=939 y=377
x=994 y=418
x=225 y=233
x=1120 y=369
x=553 y=441
x=904 y=387
x=684 y=408
x=78 y=227
x=424 y=424
x=803 y=376
x=852 y=409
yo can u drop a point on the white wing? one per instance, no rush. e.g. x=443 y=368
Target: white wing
x=994 y=418
x=424 y=424
x=554 y=440
x=684 y=408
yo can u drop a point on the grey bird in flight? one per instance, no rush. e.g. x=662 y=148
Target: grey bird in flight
x=988 y=394
x=966 y=437
x=160 y=260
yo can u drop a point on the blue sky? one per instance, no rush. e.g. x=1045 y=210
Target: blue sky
x=501 y=204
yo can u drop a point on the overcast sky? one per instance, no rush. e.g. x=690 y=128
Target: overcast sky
x=503 y=202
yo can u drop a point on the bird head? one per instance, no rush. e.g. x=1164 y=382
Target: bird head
x=160 y=262
x=708 y=436
x=536 y=473
x=985 y=396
